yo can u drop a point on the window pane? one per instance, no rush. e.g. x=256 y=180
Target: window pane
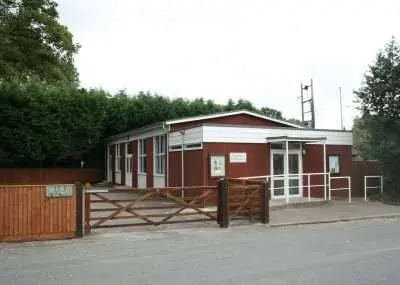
x=278 y=164
x=280 y=185
x=294 y=187
x=334 y=164
x=293 y=163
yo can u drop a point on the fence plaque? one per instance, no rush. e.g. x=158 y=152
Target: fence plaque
x=58 y=191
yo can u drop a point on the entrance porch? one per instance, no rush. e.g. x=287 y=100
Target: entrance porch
x=286 y=166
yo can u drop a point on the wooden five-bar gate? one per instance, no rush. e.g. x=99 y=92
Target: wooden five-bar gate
x=230 y=200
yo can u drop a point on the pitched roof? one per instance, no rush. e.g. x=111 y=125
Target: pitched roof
x=160 y=125
x=232 y=113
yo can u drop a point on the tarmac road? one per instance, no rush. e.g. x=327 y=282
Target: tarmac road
x=363 y=252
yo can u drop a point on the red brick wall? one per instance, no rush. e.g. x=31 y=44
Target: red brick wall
x=122 y=163
x=149 y=150
x=241 y=119
x=313 y=163
x=134 y=163
x=258 y=157
x=193 y=166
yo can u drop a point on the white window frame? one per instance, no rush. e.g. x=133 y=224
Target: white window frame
x=159 y=150
x=128 y=157
x=190 y=146
x=193 y=146
x=118 y=157
x=142 y=156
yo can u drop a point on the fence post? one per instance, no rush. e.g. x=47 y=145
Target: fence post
x=223 y=208
x=265 y=195
x=349 y=182
x=87 y=213
x=79 y=209
x=365 y=188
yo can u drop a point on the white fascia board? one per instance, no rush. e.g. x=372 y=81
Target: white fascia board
x=226 y=134
x=133 y=137
x=193 y=135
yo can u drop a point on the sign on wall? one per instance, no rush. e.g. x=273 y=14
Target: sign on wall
x=217 y=165
x=59 y=190
x=237 y=157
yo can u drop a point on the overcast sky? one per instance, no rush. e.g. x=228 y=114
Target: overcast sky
x=259 y=50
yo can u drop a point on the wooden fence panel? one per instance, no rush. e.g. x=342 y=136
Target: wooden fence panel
x=361 y=169
x=27 y=214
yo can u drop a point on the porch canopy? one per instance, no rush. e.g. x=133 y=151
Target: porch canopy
x=286 y=140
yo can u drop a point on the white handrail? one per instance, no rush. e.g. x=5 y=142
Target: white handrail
x=300 y=175
x=372 y=187
x=348 y=178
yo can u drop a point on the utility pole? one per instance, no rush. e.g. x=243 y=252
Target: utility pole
x=312 y=106
x=341 y=108
x=302 y=99
x=309 y=100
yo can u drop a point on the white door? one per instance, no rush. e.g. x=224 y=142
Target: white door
x=142 y=164
x=281 y=183
x=128 y=164
x=128 y=170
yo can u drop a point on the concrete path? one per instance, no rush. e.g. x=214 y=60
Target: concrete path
x=363 y=252
x=333 y=211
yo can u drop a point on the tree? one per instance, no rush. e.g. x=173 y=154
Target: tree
x=377 y=131
x=33 y=42
x=271 y=113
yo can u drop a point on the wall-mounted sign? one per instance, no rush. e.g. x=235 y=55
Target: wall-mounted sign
x=217 y=165
x=237 y=157
x=59 y=190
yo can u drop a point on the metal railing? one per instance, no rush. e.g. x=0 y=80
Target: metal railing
x=327 y=192
x=372 y=187
x=301 y=177
x=348 y=188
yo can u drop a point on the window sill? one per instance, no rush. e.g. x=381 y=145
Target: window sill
x=142 y=173
x=158 y=175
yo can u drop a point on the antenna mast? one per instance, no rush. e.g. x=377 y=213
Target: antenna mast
x=307 y=105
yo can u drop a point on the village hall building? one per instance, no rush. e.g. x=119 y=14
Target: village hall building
x=198 y=151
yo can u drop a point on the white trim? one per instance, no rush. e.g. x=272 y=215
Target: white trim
x=193 y=135
x=117 y=157
x=324 y=154
x=145 y=135
x=285 y=176
x=233 y=113
x=175 y=148
x=234 y=134
x=157 y=154
x=139 y=156
x=295 y=139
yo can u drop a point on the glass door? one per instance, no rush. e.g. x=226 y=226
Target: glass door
x=278 y=169
x=294 y=174
x=281 y=183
